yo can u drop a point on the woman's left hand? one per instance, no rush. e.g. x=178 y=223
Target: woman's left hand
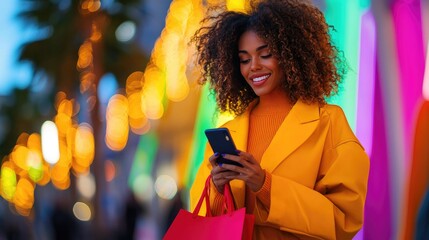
x=251 y=172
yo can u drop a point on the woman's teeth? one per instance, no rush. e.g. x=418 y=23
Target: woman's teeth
x=258 y=79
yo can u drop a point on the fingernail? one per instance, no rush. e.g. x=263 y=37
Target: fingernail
x=216 y=154
x=223 y=154
x=220 y=164
x=238 y=151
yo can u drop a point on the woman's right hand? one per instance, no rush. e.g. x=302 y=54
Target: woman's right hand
x=220 y=175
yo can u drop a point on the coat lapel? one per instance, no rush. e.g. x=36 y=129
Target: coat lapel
x=239 y=129
x=297 y=127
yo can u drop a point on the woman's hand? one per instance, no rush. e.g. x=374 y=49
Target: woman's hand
x=220 y=175
x=251 y=172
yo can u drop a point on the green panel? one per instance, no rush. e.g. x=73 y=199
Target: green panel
x=345 y=16
x=206 y=118
x=144 y=157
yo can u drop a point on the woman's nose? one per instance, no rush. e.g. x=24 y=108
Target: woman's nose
x=255 y=64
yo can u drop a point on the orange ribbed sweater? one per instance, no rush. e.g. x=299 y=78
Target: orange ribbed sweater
x=263 y=124
x=265 y=120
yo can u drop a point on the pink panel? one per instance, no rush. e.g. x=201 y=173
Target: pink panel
x=410 y=51
x=377 y=221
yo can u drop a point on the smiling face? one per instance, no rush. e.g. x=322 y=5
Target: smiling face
x=258 y=66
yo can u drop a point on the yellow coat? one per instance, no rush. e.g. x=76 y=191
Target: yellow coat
x=319 y=176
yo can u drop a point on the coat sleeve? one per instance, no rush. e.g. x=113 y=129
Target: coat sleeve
x=334 y=208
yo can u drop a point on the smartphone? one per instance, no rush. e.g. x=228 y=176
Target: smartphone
x=221 y=141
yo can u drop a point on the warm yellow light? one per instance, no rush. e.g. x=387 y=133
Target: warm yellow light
x=60 y=177
x=22 y=139
x=50 y=143
x=117 y=128
x=63 y=122
x=134 y=83
x=23 y=211
x=8 y=181
x=82 y=211
x=87 y=80
x=94 y=5
x=35 y=166
x=178 y=12
x=24 y=195
x=66 y=107
x=178 y=90
x=135 y=106
x=59 y=98
x=46 y=177
x=235 y=5
x=96 y=35
x=78 y=169
x=117 y=106
x=153 y=93
x=86 y=185
x=85 y=55
x=84 y=145
x=139 y=125
x=157 y=57
x=34 y=142
x=117 y=134
x=152 y=106
x=19 y=156
x=85 y=59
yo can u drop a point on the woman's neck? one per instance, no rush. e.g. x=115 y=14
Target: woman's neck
x=274 y=101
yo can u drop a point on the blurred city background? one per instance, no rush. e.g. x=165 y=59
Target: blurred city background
x=102 y=119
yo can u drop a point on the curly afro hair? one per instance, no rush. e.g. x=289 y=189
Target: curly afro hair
x=297 y=35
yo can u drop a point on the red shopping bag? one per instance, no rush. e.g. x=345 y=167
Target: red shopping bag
x=233 y=224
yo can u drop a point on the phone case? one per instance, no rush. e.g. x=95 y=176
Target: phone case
x=221 y=141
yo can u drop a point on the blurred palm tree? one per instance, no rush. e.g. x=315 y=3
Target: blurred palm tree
x=20 y=112
x=64 y=27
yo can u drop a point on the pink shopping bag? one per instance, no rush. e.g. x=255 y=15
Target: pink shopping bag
x=233 y=224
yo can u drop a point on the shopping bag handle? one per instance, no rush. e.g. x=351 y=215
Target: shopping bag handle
x=205 y=195
x=228 y=201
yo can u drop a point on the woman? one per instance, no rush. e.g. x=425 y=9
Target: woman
x=304 y=172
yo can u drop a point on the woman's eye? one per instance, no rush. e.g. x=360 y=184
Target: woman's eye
x=266 y=56
x=243 y=61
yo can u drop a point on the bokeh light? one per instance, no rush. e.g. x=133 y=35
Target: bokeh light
x=24 y=196
x=84 y=145
x=50 y=144
x=125 y=31
x=165 y=187
x=110 y=170
x=117 y=129
x=35 y=166
x=89 y=6
x=85 y=184
x=8 y=181
x=82 y=211
x=143 y=187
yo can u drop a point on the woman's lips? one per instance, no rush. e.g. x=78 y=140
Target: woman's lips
x=258 y=80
